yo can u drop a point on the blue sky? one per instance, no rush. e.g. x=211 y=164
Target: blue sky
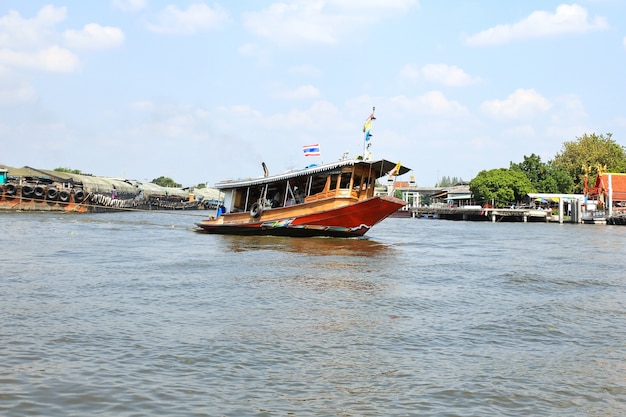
x=205 y=91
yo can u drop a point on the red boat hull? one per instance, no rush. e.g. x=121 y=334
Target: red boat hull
x=350 y=220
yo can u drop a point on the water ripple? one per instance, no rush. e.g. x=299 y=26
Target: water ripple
x=133 y=314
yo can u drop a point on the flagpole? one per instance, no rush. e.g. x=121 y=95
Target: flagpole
x=367 y=127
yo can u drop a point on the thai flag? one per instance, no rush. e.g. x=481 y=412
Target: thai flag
x=311 y=150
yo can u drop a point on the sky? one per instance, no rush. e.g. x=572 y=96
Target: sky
x=203 y=91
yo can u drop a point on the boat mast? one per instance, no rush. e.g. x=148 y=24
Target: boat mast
x=367 y=130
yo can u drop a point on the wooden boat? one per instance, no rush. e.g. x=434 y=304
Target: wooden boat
x=336 y=199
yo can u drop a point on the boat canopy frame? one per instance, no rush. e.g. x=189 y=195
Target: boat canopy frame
x=380 y=167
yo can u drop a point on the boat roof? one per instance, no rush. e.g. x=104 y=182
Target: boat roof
x=381 y=167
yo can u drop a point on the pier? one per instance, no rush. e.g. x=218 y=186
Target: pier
x=539 y=207
x=477 y=213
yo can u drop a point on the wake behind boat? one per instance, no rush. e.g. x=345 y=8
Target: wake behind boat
x=336 y=199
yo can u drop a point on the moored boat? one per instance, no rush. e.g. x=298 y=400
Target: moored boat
x=32 y=189
x=336 y=199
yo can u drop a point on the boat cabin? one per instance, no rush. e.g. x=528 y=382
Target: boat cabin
x=349 y=179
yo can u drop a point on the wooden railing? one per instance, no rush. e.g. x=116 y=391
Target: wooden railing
x=342 y=192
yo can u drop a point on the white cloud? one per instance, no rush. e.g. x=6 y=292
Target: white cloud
x=31 y=43
x=624 y=42
x=292 y=23
x=449 y=75
x=17 y=32
x=438 y=103
x=197 y=17
x=566 y=19
x=58 y=59
x=94 y=36
x=52 y=59
x=410 y=73
x=324 y=22
x=25 y=43
x=520 y=104
x=300 y=93
x=129 y=5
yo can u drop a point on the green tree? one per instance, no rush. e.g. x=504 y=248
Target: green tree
x=166 y=182
x=448 y=182
x=71 y=171
x=533 y=167
x=558 y=181
x=545 y=177
x=588 y=152
x=501 y=186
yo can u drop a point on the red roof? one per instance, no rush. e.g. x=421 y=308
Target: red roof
x=617 y=185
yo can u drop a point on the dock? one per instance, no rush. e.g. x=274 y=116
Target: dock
x=477 y=213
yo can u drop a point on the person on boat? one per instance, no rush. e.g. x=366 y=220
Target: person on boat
x=113 y=193
x=299 y=195
x=276 y=201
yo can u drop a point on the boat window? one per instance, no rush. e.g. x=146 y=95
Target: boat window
x=356 y=185
x=333 y=182
x=369 y=185
x=345 y=180
x=254 y=196
x=239 y=200
x=318 y=183
x=294 y=193
x=299 y=193
x=275 y=196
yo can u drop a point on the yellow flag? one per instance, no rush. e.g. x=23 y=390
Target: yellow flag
x=396 y=170
x=368 y=125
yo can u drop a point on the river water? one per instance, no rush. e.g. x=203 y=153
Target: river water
x=136 y=314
